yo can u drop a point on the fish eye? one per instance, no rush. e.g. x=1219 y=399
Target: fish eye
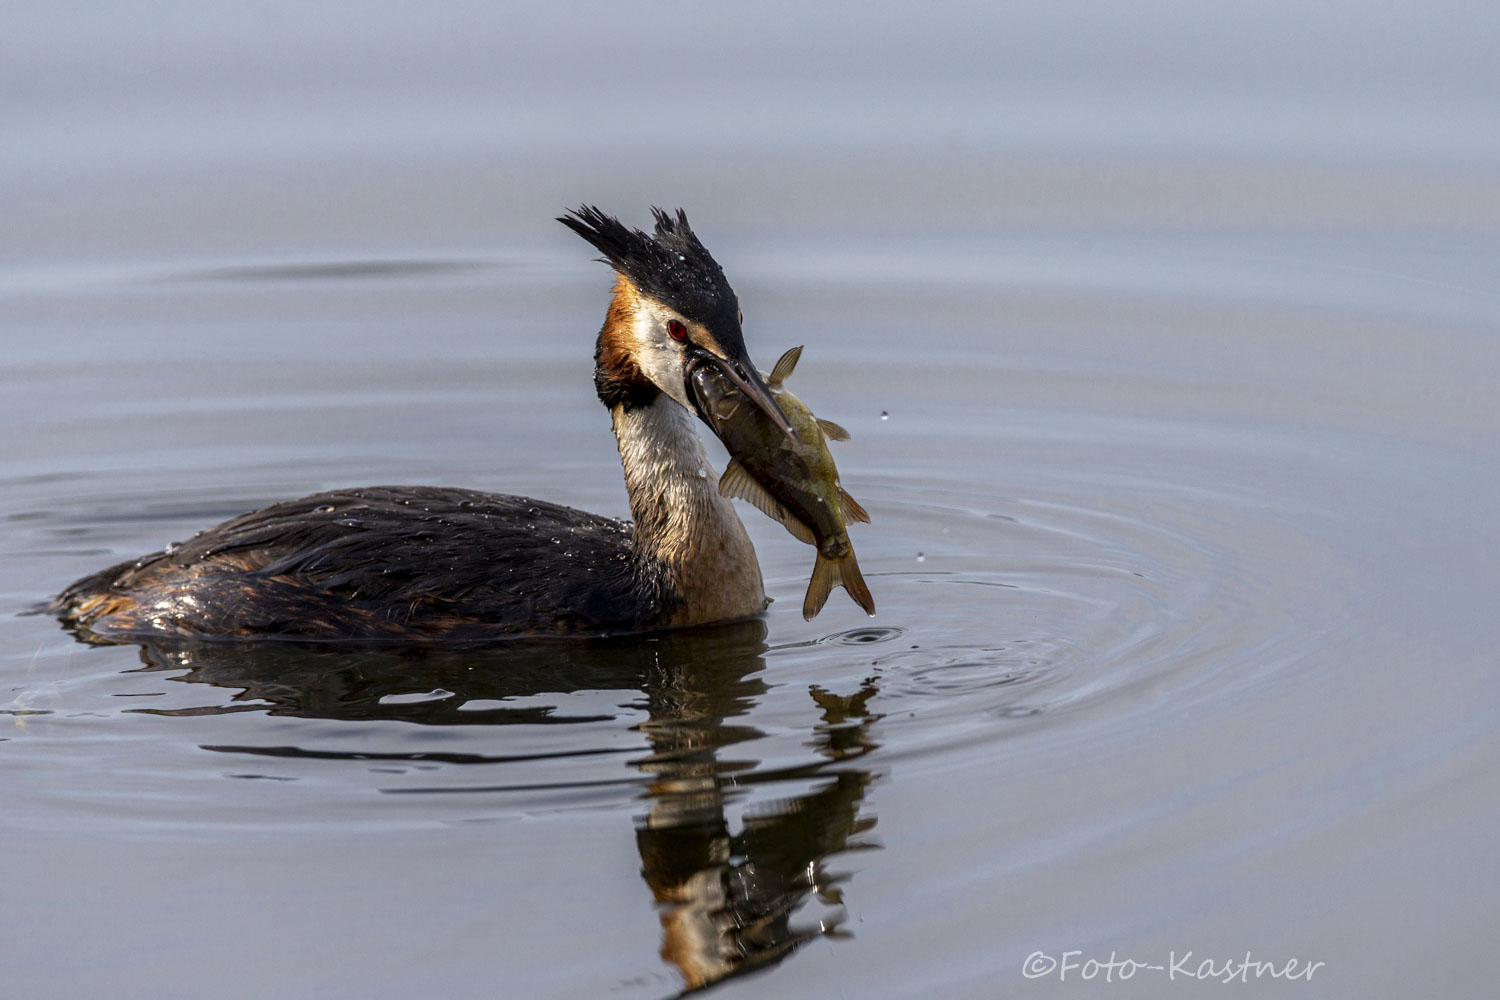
x=676 y=329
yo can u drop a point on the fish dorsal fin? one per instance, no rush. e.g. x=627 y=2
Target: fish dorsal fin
x=737 y=484
x=831 y=430
x=852 y=510
x=784 y=366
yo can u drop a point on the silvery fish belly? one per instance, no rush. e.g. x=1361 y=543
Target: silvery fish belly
x=795 y=482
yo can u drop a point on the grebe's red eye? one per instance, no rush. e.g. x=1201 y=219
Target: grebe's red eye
x=676 y=329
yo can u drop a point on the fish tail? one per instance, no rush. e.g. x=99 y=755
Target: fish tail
x=842 y=570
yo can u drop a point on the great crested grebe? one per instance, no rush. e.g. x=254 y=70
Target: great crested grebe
x=422 y=562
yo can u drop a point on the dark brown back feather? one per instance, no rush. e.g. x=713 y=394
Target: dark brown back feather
x=406 y=561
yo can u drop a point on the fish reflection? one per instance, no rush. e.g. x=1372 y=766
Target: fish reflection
x=734 y=895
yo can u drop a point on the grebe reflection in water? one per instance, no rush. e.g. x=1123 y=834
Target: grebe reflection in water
x=734 y=851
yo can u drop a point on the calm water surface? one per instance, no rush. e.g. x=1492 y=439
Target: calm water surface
x=1181 y=476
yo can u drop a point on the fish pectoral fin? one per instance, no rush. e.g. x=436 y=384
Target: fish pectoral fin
x=738 y=484
x=831 y=430
x=784 y=366
x=851 y=508
x=799 y=531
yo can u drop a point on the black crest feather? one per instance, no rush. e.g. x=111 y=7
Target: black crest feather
x=672 y=266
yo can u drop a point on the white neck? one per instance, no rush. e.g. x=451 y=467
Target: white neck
x=680 y=518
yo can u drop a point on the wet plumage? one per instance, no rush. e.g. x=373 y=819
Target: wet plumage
x=380 y=562
x=422 y=563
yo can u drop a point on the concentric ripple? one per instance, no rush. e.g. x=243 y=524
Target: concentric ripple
x=1067 y=598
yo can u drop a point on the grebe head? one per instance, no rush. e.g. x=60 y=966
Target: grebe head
x=676 y=309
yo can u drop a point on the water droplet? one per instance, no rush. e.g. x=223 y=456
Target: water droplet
x=885 y=415
x=921 y=557
x=326 y=508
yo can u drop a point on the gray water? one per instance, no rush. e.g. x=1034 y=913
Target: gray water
x=1169 y=340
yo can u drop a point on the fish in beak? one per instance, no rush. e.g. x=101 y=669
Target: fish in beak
x=741 y=373
x=791 y=478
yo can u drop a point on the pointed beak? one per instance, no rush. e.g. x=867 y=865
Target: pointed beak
x=742 y=374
